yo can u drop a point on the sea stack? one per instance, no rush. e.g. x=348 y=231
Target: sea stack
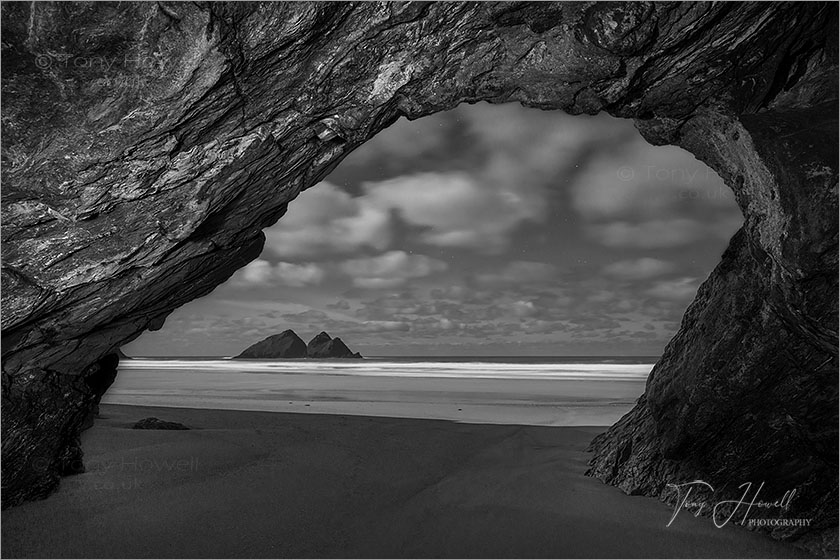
x=325 y=346
x=287 y=344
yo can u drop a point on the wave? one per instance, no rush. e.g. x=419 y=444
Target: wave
x=382 y=368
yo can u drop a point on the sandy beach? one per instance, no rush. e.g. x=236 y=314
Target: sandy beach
x=261 y=484
x=483 y=392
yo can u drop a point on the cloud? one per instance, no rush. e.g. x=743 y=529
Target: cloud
x=655 y=234
x=256 y=272
x=517 y=273
x=643 y=181
x=508 y=182
x=539 y=143
x=638 y=195
x=262 y=272
x=390 y=269
x=455 y=209
x=638 y=269
x=495 y=181
x=326 y=220
x=503 y=183
x=458 y=209
x=523 y=308
x=298 y=274
x=403 y=140
x=345 y=327
x=341 y=305
x=681 y=289
x=593 y=323
x=309 y=316
x=381 y=326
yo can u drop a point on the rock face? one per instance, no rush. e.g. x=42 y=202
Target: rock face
x=153 y=423
x=324 y=346
x=287 y=344
x=146 y=145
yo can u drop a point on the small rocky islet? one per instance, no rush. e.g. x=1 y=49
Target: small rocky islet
x=289 y=345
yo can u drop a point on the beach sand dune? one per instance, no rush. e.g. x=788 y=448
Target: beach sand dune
x=260 y=484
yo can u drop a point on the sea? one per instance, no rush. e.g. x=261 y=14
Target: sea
x=532 y=390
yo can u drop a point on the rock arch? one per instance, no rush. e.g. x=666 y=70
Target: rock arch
x=145 y=146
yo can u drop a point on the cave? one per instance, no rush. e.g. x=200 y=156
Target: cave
x=146 y=147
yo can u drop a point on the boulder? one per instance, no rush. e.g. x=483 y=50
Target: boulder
x=153 y=423
x=324 y=346
x=287 y=344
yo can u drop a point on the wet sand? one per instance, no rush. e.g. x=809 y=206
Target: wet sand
x=512 y=400
x=246 y=484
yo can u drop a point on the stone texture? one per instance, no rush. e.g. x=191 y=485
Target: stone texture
x=145 y=146
x=287 y=344
x=153 y=423
x=323 y=345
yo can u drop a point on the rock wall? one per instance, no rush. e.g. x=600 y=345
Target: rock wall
x=146 y=145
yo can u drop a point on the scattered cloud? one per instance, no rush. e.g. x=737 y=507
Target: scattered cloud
x=403 y=140
x=649 y=198
x=298 y=274
x=517 y=273
x=308 y=316
x=479 y=230
x=262 y=272
x=525 y=145
x=325 y=220
x=657 y=234
x=681 y=289
x=638 y=269
x=457 y=209
x=256 y=272
x=641 y=182
x=523 y=308
x=390 y=269
x=341 y=305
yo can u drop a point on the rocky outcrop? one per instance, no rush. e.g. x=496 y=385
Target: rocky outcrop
x=152 y=423
x=287 y=344
x=700 y=419
x=324 y=346
x=145 y=146
x=747 y=389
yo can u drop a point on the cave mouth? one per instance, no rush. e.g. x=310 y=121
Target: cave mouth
x=152 y=195
x=483 y=230
x=492 y=233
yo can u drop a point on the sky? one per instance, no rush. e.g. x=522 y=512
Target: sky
x=485 y=230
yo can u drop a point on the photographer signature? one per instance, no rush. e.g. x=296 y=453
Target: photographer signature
x=719 y=510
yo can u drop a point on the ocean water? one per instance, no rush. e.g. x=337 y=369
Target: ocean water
x=511 y=390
